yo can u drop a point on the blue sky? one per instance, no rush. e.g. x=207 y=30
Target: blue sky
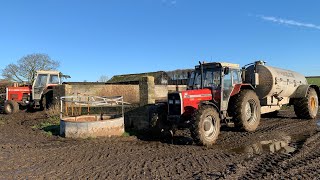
x=109 y=37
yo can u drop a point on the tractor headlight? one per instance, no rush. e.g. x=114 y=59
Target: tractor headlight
x=178 y=101
x=170 y=101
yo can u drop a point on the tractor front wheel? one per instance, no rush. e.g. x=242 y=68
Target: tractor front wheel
x=206 y=126
x=11 y=107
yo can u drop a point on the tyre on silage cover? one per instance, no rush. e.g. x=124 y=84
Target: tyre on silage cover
x=206 y=126
x=246 y=110
x=11 y=107
x=307 y=107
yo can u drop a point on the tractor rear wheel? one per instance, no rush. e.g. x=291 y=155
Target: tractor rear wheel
x=206 y=126
x=246 y=110
x=307 y=107
x=11 y=107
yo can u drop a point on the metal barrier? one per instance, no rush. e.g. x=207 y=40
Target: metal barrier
x=73 y=105
x=75 y=123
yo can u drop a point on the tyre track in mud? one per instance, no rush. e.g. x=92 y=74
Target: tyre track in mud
x=302 y=164
x=270 y=128
x=27 y=153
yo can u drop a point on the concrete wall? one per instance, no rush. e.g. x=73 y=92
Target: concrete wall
x=129 y=92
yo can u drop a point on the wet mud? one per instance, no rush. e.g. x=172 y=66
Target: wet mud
x=282 y=147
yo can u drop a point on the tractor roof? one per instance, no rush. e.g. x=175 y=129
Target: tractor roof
x=47 y=72
x=220 y=64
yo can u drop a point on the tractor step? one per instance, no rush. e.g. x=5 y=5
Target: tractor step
x=230 y=124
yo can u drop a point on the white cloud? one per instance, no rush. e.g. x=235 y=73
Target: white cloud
x=289 y=22
x=171 y=2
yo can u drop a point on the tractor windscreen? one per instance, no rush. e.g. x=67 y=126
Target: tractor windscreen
x=211 y=78
x=41 y=80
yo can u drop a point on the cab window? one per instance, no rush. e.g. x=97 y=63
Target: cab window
x=54 y=79
x=235 y=76
x=41 y=80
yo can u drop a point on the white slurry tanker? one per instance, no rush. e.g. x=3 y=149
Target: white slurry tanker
x=276 y=87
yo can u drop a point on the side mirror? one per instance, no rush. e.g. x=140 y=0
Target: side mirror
x=226 y=70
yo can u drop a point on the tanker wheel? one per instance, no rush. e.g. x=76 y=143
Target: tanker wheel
x=307 y=107
x=206 y=126
x=246 y=110
x=11 y=107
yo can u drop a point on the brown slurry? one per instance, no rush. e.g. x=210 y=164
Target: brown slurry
x=28 y=153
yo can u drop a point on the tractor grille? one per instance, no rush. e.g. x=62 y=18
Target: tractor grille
x=174 y=104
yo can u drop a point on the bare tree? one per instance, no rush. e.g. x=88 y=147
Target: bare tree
x=26 y=67
x=103 y=78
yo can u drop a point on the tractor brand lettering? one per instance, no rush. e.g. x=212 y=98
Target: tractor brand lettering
x=197 y=96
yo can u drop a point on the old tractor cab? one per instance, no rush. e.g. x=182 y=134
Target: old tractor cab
x=215 y=92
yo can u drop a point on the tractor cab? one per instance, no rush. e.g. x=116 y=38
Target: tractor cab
x=218 y=78
x=44 y=80
x=42 y=93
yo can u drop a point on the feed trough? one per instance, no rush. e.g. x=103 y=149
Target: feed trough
x=88 y=116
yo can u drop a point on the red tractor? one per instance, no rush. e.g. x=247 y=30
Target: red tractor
x=39 y=95
x=223 y=93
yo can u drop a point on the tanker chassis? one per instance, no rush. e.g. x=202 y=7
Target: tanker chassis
x=223 y=93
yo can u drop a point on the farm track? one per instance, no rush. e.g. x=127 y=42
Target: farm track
x=27 y=153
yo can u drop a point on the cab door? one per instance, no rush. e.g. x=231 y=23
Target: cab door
x=227 y=87
x=230 y=79
x=39 y=85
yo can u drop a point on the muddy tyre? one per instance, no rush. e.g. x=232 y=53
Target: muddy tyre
x=46 y=100
x=159 y=126
x=246 y=110
x=307 y=107
x=10 y=107
x=206 y=126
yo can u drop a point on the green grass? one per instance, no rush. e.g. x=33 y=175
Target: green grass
x=126 y=134
x=130 y=133
x=50 y=126
x=315 y=80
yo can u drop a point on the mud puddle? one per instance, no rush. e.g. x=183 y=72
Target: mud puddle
x=272 y=146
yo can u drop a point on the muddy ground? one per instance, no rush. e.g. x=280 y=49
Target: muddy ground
x=282 y=147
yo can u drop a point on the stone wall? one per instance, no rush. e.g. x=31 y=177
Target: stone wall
x=147 y=90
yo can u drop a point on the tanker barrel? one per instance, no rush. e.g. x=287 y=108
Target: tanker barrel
x=273 y=81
